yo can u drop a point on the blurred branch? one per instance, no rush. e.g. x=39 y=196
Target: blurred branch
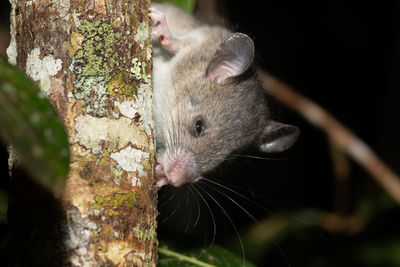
x=342 y=175
x=339 y=134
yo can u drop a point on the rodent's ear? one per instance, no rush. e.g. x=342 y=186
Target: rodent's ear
x=278 y=137
x=232 y=58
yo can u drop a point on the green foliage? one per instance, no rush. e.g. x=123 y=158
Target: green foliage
x=29 y=122
x=214 y=256
x=187 y=5
x=382 y=253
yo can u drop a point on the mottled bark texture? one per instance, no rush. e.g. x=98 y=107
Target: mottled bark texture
x=92 y=59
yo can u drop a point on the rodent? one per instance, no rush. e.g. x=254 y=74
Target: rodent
x=208 y=101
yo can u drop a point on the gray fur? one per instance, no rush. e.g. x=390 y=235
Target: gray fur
x=235 y=111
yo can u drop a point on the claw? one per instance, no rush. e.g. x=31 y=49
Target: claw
x=160 y=176
x=160 y=183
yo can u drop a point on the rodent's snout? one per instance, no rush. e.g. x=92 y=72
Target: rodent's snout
x=179 y=166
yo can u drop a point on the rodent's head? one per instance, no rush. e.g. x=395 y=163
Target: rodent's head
x=215 y=111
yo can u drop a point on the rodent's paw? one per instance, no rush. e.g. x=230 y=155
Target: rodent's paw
x=161 y=31
x=160 y=176
x=160 y=183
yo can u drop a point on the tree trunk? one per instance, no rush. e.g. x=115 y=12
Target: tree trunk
x=92 y=59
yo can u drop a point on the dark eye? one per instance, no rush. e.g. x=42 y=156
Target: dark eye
x=199 y=127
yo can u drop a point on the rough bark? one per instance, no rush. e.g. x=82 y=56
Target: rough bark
x=92 y=59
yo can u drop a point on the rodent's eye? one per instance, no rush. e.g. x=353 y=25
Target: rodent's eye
x=198 y=127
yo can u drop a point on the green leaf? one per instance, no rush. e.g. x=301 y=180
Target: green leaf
x=187 y=5
x=29 y=122
x=209 y=257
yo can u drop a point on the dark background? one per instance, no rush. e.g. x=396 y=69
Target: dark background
x=345 y=57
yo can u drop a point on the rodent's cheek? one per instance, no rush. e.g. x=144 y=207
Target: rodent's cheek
x=208 y=161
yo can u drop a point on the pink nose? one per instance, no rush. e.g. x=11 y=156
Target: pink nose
x=180 y=168
x=177 y=176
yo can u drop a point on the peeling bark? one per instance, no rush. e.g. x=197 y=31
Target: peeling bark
x=92 y=59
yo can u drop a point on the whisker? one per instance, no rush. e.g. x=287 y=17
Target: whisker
x=212 y=216
x=282 y=253
x=243 y=209
x=198 y=205
x=172 y=213
x=190 y=212
x=228 y=197
x=269 y=202
x=254 y=157
x=232 y=223
x=164 y=194
x=239 y=194
x=165 y=202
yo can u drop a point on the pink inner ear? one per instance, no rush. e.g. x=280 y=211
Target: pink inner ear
x=223 y=70
x=232 y=58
